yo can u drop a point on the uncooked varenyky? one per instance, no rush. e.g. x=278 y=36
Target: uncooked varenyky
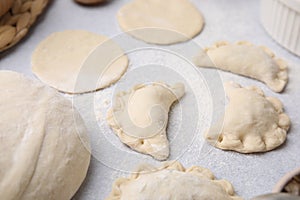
x=172 y=181
x=139 y=117
x=252 y=121
x=246 y=59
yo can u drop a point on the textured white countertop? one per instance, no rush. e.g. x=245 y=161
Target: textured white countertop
x=230 y=20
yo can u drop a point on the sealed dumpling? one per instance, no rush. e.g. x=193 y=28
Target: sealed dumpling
x=172 y=181
x=252 y=121
x=246 y=59
x=139 y=117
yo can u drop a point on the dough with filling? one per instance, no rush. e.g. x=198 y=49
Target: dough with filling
x=139 y=117
x=161 y=22
x=172 y=181
x=252 y=122
x=59 y=61
x=44 y=147
x=246 y=59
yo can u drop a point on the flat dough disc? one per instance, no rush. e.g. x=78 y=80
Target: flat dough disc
x=44 y=148
x=58 y=61
x=172 y=181
x=170 y=21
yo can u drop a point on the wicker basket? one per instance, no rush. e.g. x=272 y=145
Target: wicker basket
x=18 y=18
x=5 y=5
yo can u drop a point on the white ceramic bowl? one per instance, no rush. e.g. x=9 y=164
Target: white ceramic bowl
x=281 y=19
x=285 y=180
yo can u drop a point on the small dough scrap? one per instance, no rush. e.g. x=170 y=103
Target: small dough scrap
x=44 y=146
x=244 y=58
x=139 y=117
x=172 y=181
x=252 y=122
x=161 y=22
x=58 y=61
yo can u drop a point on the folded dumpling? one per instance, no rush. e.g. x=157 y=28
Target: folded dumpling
x=246 y=59
x=172 y=181
x=139 y=117
x=252 y=121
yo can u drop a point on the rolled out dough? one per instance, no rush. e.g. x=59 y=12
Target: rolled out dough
x=61 y=61
x=44 y=148
x=161 y=21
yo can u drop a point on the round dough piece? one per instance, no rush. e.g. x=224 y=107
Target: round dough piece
x=172 y=181
x=58 y=61
x=44 y=147
x=161 y=21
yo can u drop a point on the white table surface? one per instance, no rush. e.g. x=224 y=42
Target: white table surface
x=230 y=20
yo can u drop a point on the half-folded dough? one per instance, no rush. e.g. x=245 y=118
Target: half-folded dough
x=252 y=122
x=244 y=58
x=161 y=21
x=139 y=117
x=61 y=61
x=172 y=181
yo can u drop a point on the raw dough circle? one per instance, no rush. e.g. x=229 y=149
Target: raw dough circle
x=161 y=21
x=44 y=147
x=58 y=60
